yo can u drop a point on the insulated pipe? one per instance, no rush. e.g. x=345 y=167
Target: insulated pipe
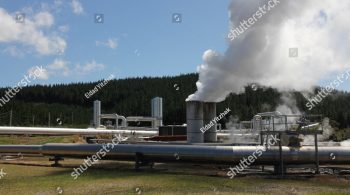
x=230 y=155
x=116 y=117
x=124 y=123
x=24 y=149
x=70 y=131
x=275 y=113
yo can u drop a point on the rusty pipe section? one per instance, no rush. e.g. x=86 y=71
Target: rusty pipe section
x=229 y=155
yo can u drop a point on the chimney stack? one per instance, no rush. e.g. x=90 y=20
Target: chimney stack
x=209 y=113
x=199 y=114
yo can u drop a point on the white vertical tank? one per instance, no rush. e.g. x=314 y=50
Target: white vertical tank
x=194 y=115
x=157 y=110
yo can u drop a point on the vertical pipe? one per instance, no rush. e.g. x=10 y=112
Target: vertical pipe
x=209 y=113
x=316 y=155
x=194 y=115
x=281 y=154
x=285 y=121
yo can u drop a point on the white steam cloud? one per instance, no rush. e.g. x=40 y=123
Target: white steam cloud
x=319 y=29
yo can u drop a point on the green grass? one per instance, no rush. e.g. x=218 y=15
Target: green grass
x=14 y=139
x=120 y=178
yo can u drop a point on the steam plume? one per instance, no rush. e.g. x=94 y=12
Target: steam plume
x=319 y=29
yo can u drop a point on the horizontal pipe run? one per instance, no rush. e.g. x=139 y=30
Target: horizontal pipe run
x=24 y=149
x=70 y=131
x=230 y=155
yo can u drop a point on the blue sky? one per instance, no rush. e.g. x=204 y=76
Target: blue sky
x=136 y=38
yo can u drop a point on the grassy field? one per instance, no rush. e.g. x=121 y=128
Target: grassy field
x=14 y=139
x=35 y=176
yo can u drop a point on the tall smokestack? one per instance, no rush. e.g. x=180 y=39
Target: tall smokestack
x=209 y=113
x=194 y=115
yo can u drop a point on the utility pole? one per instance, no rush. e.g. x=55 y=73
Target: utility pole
x=33 y=120
x=11 y=118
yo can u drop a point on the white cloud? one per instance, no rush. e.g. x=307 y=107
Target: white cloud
x=44 y=19
x=111 y=43
x=30 y=33
x=59 y=66
x=89 y=67
x=44 y=75
x=77 y=7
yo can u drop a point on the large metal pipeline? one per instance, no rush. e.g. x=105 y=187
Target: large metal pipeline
x=229 y=155
x=71 y=131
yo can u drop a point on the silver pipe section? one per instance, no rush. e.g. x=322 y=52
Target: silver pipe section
x=115 y=117
x=231 y=155
x=275 y=113
x=194 y=115
x=68 y=131
x=209 y=113
x=124 y=123
x=71 y=131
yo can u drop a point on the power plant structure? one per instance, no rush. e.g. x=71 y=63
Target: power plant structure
x=276 y=135
x=199 y=114
x=156 y=119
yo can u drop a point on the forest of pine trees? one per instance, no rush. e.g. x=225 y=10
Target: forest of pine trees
x=132 y=97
